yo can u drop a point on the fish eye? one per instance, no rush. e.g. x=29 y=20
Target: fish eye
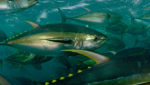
x=96 y=38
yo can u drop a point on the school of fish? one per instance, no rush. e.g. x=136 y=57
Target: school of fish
x=116 y=64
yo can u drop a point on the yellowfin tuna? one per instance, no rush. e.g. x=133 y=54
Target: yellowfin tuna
x=21 y=59
x=51 y=39
x=11 y=6
x=119 y=70
x=94 y=18
x=98 y=58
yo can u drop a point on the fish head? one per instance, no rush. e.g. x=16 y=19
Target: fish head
x=93 y=41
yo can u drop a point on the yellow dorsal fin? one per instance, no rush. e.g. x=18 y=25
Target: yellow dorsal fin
x=98 y=58
x=33 y=24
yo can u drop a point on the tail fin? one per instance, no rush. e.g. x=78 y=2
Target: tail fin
x=2 y=36
x=63 y=17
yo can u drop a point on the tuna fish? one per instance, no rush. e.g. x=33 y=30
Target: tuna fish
x=52 y=38
x=131 y=69
x=21 y=59
x=145 y=17
x=11 y=6
x=97 y=19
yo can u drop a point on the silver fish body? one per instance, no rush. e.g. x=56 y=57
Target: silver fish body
x=51 y=39
x=94 y=19
x=98 y=17
x=11 y=6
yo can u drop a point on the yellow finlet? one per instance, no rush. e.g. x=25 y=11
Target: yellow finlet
x=13 y=37
x=54 y=81
x=33 y=24
x=25 y=31
x=70 y=75
x=17 y=35
x=47 y=83
x=10 y=38
x=79 y=71
x=98 y=58
x=89 y=67
x=61 y=78
x=20 y=33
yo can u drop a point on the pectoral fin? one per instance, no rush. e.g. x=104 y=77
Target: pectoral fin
x=66 y=41
x=98 y=58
